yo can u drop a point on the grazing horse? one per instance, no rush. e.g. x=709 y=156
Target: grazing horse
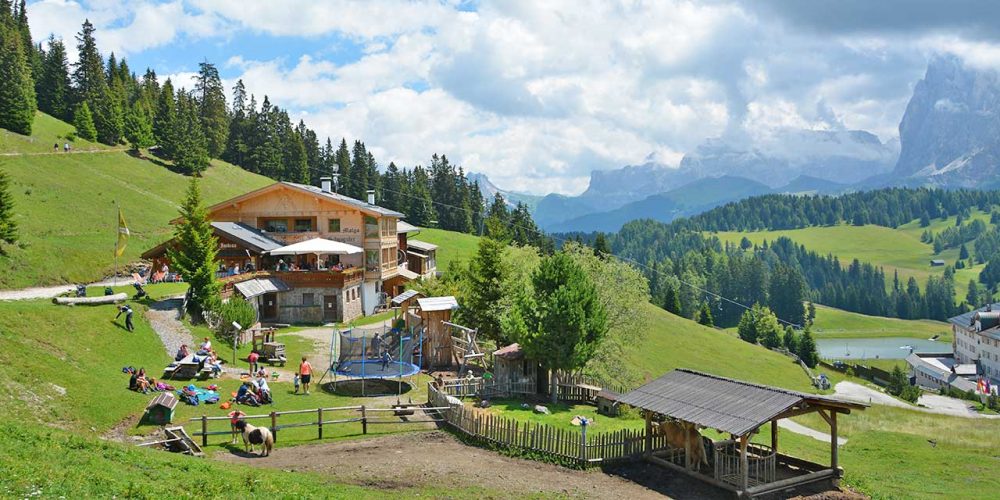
x=256 y=435
x=683 y=435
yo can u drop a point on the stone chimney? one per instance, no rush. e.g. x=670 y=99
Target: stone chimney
x=371 y=196
x=326 y=184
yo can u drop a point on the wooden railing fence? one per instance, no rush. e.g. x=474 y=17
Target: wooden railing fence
x=577 y=446
x=412 y=413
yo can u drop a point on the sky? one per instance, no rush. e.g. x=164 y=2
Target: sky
x=537 y=94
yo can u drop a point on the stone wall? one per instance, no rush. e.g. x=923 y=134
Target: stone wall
x=292 y=308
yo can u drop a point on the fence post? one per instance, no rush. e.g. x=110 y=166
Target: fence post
x=204 y=430
x=583 y=444
x=274 y=426
x=319 y=421
x=364 y=420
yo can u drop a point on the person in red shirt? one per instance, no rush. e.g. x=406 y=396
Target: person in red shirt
x=252 y=358
x=305 y=371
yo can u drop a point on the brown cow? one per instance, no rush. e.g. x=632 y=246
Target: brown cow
x=684 y=435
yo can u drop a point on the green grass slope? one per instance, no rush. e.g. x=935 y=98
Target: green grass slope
x=837 y=323
x=896 y=250
x=45 y=132
x=454 y=247
x=65 y=208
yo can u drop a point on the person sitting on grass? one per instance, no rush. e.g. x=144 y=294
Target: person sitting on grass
x=142 y=382
x=263 y=390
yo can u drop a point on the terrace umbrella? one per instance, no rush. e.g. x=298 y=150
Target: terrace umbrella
x=317 y=246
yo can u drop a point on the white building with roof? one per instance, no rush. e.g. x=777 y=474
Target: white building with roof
x=976 y=340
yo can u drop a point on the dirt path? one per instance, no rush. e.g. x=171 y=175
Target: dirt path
x=436 y=458
x=164 y=318
x=47 y=292
x=70 y=152
x=928 y=403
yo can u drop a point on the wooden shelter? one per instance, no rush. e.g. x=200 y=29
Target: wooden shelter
x=160 y=411
x=434 y=313
x=404 y=302
x=513 y=371
x=607 y=402
x=738 y=408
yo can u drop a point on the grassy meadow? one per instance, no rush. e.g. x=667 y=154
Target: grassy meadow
x=836 y=323
x=456 y=247
x=65 y=206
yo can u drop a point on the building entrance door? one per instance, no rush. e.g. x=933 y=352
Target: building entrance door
x=330 y=309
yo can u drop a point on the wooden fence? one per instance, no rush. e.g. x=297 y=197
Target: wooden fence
x=571 y=388
x=876 y=375
x=412 y=413
x=582 y=447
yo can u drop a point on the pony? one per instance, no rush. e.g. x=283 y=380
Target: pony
x=681 y=435
x=256 y=435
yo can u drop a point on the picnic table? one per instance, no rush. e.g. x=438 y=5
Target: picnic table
x=186 y=368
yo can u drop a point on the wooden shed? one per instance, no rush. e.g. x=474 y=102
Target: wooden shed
x=607 y=402
x=700 y=400
x=160 y=411
x=434 y=312
x=513 y=372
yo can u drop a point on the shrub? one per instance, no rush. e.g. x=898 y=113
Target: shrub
x=236 y=310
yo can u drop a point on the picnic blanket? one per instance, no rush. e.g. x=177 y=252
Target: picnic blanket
x=195 y=395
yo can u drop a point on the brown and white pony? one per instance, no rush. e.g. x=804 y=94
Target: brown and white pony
x=256 y=435
x=684 y=435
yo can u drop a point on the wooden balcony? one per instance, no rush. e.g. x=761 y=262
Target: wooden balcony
x=300 y=279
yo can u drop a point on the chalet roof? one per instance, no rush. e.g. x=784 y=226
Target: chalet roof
x=164 y=399
x=405 y=227
x=407 y=274
x=431 y=304
x=260 y=286
x=421 y=245
x=403 y=297
x=965 y=320
x=510 y=352
x=363 y=206
x=250 y=237
x=720 y=403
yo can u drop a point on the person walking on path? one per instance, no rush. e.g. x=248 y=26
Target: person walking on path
x=55 y=148
x=66 y=147
x=305 y=372
x=127 y=311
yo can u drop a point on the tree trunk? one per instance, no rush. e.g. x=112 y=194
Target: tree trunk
x=553 y=389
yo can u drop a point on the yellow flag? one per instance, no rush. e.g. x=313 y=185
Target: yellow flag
x=123 y=234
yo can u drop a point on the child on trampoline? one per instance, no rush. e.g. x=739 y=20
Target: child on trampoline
x=386 y=359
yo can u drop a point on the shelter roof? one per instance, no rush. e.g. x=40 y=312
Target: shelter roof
x=260 y=286
x=431 y=304
x=165 y=399
x=421 y=245
x=248 y=236
x=403 y=297
x=409 y=275
x=721 y=403
x=511 y=352
x=348 y=200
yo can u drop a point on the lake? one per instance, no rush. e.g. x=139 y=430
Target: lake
x=883 y=348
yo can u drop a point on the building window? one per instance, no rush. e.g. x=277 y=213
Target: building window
x=334 y=226
x=303 y=225
x=307 y=299
x=276 y=226
x=371 y=260
x=371 y=227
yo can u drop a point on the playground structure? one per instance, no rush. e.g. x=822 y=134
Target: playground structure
x=464 y=346
x=264 y=343
x=375 y=352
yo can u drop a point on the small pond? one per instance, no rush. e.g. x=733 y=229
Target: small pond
x=882 y=348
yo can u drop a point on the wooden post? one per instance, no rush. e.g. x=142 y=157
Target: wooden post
x=274 y=426
x=833 y=440
x=774 y=435
x=319 y=422
x=649 y=434
x=364 y=420
x=204 y=430
x=744 y=472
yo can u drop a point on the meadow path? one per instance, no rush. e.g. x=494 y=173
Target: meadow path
x=164 y=317
x=47 y=292
x=928 y=403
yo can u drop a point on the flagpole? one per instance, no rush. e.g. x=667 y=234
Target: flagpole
x=118 y=215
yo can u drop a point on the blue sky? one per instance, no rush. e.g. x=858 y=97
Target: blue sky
x=538 y=94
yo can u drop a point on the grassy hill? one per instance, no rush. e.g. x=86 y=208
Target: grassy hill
x=896 y=250
x=455 y=247
x=65 y=205
x=837 y=323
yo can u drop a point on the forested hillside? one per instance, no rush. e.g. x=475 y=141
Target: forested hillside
x=690 y=268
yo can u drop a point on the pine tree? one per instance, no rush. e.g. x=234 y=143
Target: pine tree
x=358 y=172
x=393 y=189
x=236 y=145
x=562 y=321
x=421 y=212
x=212 y=108
x=789 y=340
x=342 y=160
x=191 y=153
x=705 y=316
x=54 y=93
x=194 y=256
x=488 y=276
x=601 y=247
x=807 y=349
x=139 y=127
x=84 y=122
x=17 y=88
x=671 y=299
x=963 y=252
x=8 y=226
x=972 y=295
x=163 y=120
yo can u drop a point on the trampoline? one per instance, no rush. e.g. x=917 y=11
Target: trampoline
x=378 y=353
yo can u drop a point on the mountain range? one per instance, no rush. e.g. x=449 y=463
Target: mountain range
x=949 y=137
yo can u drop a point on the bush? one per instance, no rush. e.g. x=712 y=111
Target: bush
x=236 y=310
x=911 y=393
